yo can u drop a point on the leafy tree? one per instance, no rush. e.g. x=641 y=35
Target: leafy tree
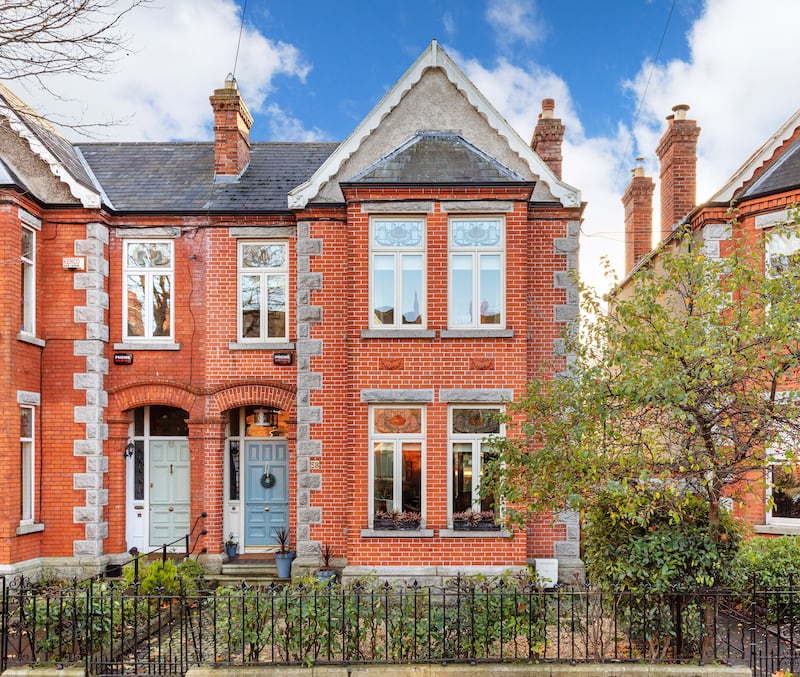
x=683 y=380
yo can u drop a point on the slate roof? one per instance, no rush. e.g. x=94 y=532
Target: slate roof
x=783 y=174
x=179 y=177
x=437 y=157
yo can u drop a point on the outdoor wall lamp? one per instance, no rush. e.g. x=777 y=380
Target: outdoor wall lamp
x=130 y=449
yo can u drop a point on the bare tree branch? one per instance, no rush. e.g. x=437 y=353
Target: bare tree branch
x=47 y=37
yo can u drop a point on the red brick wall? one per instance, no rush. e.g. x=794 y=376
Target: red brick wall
x=350 y=364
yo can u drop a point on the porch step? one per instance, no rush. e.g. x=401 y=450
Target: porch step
x=252 y=570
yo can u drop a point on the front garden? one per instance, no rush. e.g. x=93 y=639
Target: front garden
x=171 y=620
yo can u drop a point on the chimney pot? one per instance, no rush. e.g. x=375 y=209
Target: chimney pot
x=680 y=111
x=548 y=136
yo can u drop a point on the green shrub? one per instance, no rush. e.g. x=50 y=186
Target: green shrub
x=769 y=565
x=766 y=563
x=656 y=539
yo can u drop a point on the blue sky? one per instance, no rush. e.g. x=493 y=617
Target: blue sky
x=311 y=70
x=594 y=46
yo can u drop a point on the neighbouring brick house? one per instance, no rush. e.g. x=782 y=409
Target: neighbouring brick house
x=236 y=336
x=764 y=192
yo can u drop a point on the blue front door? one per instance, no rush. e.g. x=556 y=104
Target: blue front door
x=266 y=491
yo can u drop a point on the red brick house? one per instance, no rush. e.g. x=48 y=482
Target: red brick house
x=765 y=190
x=237 y=336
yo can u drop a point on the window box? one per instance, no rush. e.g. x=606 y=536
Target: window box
x=466 y=525
x=383 y=523
x=470 y=520
x=404 y=521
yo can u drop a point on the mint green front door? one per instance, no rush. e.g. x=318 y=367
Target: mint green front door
x=169 y=491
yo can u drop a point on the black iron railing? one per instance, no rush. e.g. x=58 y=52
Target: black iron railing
x=113 y=628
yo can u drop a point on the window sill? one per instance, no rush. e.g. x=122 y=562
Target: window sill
x=147 y=345
x=30 y=338
x=778 y=529
x=476 y=333
x=261 y=345
x=474 y=533
x=398 y=334
x=23 y=529
x=397 y=533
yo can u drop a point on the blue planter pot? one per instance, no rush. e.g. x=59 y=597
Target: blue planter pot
x=327 y=576
x=284 y=560
x=232 y=551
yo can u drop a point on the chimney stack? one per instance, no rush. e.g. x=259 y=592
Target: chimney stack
x=232 y=122
x=677 y=152
x=547 y=137
x=638 y=203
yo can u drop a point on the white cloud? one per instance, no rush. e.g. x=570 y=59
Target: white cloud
x=595 y=166
x=449 y=24
x=741 y=81
x=283 y=127
x=515 y=21
x=180 y=51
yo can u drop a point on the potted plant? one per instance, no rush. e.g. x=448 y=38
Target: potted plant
x=326 y=574
x=475 y=520
x=231 y=546
x=385 y=520
x=284 y=556
x=408 y=521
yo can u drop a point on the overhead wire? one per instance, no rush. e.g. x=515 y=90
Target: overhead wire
x=637 y=114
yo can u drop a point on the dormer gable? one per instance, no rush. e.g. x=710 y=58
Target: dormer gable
x=437 y=157
x=434 y=94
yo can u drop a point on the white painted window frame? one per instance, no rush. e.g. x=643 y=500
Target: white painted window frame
x=397 y=253
x=148 y=301
x=263 y=274
x=397 y=439
x=476 y=252
x=475 y=439
x=28 y=470
x=28 y=290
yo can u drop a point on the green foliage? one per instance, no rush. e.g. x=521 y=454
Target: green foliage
x=165 y=577
x=769 y=563
x=678 y=380
x=310 y=621
x=655 y=538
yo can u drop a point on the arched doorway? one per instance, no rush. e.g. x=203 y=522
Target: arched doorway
x=157 y=477
x=257 y=476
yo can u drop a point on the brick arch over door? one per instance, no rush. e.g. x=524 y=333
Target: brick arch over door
x=145 y=393
x=244 y=394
